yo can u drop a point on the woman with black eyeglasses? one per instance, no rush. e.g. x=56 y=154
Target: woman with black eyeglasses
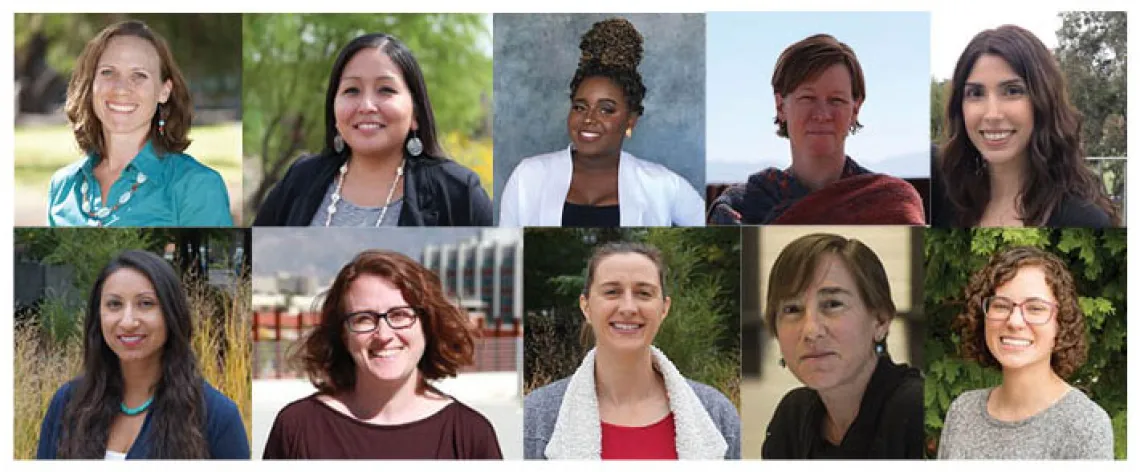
x=386 y=329
x=1023 y=315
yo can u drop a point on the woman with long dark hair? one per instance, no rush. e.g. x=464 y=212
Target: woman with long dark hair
x=1012 y=142
x=382 y=164
x=141 y=394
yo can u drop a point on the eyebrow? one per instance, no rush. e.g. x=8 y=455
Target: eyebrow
x=834 y=291
x=1004 y=83
x=381 y=77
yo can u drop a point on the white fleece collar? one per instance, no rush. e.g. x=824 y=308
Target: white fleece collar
x=578 y=432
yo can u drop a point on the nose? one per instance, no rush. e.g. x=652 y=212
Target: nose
x=1017 y=317
x=130 y=318
x=813 y=326
x=626 y=305
x=993 y=107
x=821 y=111
x=369 y=103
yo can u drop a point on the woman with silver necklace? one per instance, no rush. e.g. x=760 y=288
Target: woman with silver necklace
x=382 y=164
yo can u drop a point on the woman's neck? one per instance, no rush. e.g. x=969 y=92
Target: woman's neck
x=120 y=149
x=816 y=172
x=1026 y=391
x=626 y=378
x=602 y=163
x=385 y=401
x=842 y=402
x=375 y=166
x=1006 y=180
x=139 y=379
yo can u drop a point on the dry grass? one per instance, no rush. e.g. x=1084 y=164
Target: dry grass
x=221 y=342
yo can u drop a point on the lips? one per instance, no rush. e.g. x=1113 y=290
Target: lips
x=1014 y=342
x=122 y=107
x=626 y=327
x=384 y=353
x=131 y=340
x=996 y=135
x=589 y=136
x=368 y=125
x=817 y=356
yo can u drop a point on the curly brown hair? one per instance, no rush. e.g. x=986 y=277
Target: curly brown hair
x=613 y=49
x=449 y=334
x=177 y=111
x=1071 y=348
x=806 y=60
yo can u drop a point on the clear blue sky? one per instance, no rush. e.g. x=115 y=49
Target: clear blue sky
x=893 y=48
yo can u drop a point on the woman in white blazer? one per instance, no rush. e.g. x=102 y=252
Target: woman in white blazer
x=593 y=183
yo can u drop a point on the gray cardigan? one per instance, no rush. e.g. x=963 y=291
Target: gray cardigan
x=698 y=423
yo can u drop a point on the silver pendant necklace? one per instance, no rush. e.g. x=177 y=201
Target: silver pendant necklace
x=340 y=182
x=95 y=211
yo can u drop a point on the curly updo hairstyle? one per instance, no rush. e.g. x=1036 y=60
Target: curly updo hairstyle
x=613 y=49
x=1071 y=348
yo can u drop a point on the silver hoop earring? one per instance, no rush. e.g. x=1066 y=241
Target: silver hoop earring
x=338 y=144
x=414 y=146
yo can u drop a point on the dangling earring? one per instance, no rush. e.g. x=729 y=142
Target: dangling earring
x=161 y=121
x=783 y=363
x=880 y=347
x=415 y=147
x=629 y=132
x=338 y=144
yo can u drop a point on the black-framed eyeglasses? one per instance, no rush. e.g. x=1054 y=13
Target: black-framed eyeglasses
x=1034 y=311
x=367 y=321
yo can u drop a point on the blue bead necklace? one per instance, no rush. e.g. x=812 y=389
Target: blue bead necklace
x=137 y=410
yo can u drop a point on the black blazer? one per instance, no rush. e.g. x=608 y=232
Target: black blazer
x=437 y=192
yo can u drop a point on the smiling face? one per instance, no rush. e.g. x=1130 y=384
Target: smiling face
x=1014 y=343
x=384 y=354
x=624 y=306
x=819 y=114
x=997 y=111
x=826 y=334
x=599 y=117
x=128 y=86
x=373 y=105
x=131 y=317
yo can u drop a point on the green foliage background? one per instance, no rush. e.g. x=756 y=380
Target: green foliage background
x=701 y=335
x=1097 y=260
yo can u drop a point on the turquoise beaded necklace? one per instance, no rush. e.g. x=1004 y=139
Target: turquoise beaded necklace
x=137 y=410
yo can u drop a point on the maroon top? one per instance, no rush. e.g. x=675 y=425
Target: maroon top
x=310 y=429
x=655 y=441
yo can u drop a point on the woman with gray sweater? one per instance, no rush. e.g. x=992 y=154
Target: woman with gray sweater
x=1023 y=315
x=627 y=400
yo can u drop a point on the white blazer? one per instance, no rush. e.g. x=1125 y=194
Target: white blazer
x=649 y=194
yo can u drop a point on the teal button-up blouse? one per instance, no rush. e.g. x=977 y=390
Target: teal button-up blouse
x=172 y=190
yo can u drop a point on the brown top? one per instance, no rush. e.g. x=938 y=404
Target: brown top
x=309 y=429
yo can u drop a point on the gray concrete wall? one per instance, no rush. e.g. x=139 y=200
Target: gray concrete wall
x=535 y=58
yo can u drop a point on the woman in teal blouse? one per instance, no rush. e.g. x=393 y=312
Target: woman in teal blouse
x=131 y=111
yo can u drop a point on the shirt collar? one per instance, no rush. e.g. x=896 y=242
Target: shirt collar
x=146 y=161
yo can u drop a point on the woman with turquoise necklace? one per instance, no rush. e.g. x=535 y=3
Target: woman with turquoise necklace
x=140 y=395
x=130 y=109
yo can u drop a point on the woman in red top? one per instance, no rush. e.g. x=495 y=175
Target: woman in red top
x=627 y=400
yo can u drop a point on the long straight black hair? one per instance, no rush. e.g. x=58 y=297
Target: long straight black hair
x=413 y=77
x=178 y=414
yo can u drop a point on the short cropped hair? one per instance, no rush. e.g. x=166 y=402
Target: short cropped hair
x=806 y=60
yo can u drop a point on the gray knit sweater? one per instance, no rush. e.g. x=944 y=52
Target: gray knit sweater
x=1073 y=428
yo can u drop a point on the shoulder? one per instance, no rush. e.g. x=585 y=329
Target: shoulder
x=540 y=163
x=1076 y=212
x=442 y=168
x=64 y=394
x=970 y=400
x=218 y=405
x=299 y=411
x=714 y=401
x=472 y=419
x=67 y=172
x=547 y=398
x=1085 y=411
x=307 y=167
x=651 y=169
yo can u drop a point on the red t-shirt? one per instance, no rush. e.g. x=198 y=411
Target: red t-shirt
x=655 y=441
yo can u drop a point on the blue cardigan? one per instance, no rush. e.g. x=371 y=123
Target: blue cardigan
x=225 y=431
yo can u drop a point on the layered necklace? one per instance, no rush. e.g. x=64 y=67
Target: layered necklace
x=340 y=182
x=93 y=208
